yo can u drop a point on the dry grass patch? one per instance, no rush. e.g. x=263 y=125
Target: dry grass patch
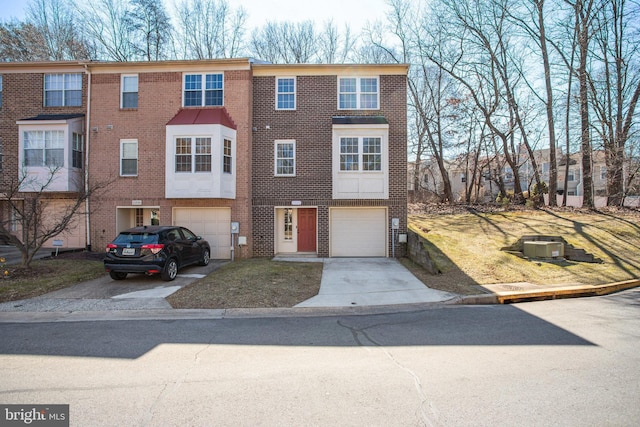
x=467 y=246
x=46 y=276
x=252 y=283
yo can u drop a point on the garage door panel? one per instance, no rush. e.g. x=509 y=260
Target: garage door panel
x=360 y=232
x=212 y=224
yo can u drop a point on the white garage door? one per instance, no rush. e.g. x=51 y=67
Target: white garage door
x=213 y=224
x=360 y=232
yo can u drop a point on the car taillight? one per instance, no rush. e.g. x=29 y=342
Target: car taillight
x=111 y=246
x=154 y=248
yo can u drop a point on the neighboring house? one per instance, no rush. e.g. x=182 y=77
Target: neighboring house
x=485 y=186
x=43 y=110
x=302 y=158
x=329 y=159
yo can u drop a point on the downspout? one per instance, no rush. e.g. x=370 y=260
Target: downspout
x=86 y=160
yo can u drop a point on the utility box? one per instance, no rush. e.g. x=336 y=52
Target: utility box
x=543 y=249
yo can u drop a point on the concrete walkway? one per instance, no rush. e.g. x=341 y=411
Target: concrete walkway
x=348 y=282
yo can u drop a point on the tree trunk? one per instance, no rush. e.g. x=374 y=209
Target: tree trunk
x=583 y=16
x=553 y=164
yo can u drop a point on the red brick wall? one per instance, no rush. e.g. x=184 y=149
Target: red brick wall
x=159 y=99
x=23 y=97
x=311 y=126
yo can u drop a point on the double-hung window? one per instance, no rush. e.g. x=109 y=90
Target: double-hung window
x=44 y=148
x=227 y=157
x=360 y=154
x=129 y=95
x=285 y=93
x=285 y=158
x=202 y=90
x=193 y=154
x=77 y=150
x=358 y=93
x=129 y=157
x=63 y=90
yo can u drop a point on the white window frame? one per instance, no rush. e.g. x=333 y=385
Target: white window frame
x=193 y=153
x=227 y=156
x=123 y=142
x=359 y=93
x=77 y=150
x=123 y=78
x=202 y=90
x=64 y=89
x=0 y=90
x=276 y=157
x=603 y=173
x=49 y=136
x=294 y=93
x=360 y=184
x=360 y=154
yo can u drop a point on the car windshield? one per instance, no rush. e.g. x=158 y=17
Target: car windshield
x=136 y=238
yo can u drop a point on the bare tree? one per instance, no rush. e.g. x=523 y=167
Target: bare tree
x=28 y=209
x=21 y=41
x=534 y=26
x=430 y=90
x=334 y=47
x=285 y=42
x=55 y=20
x=615 y=86
x=152 y=29
x=480 y=58
x=209 y=29
x=47 y=34
x=107 y=23
x=585 y=12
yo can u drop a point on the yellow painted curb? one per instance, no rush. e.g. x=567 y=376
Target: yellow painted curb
x=565 y=292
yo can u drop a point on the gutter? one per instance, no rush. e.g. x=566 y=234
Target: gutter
x=86 y=160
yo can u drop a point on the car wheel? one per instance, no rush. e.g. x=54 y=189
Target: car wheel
x=170 y=270
x=205 y=257
x=116 y=275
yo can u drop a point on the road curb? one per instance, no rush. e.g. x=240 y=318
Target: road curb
x=504 y=297
x=565 y=292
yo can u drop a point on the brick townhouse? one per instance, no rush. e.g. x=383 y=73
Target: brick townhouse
x=174 y=140
x=43 y=111
x=304 y=159
x=329 y=159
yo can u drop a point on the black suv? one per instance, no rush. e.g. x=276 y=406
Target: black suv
x=155 y=249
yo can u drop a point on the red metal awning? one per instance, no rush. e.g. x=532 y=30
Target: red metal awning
x=203 y=116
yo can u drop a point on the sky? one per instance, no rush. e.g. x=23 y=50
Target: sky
x=354 y=12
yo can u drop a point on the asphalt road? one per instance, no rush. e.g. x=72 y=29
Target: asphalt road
x=565 y=362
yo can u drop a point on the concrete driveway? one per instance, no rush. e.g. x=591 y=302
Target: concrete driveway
x=348 y=282
x=136 y=292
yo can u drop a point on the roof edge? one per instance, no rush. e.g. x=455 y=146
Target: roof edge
x=264 y=70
